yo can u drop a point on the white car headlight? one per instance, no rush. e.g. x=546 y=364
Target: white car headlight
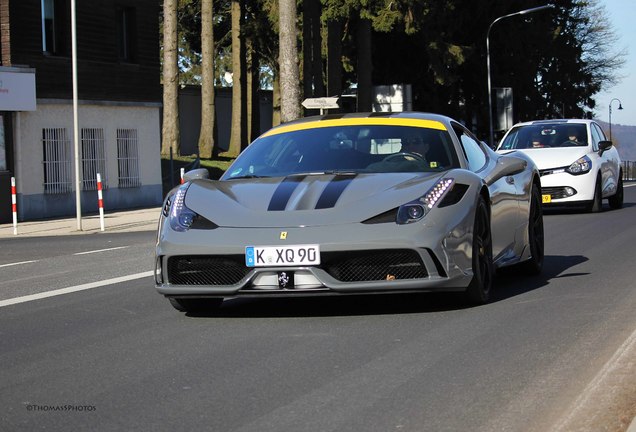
x=581 y=166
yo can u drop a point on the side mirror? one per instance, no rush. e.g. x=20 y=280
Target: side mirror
x=604 y=145
x=506 y=165
x=201 y=173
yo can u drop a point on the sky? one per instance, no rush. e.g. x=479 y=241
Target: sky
x=622 y=14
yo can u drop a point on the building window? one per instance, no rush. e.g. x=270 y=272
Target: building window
x=93 y=159
x=53 y=24
x=57 y=161
x=127 y=34
x=128 y=158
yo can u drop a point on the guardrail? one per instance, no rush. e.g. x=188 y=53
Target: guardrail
x=629 y=170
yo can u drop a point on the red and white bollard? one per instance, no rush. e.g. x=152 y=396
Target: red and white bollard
x=14 y=207
x=182 y=173
x=100 y=201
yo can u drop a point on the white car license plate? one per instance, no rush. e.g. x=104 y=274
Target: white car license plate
x=262 y=256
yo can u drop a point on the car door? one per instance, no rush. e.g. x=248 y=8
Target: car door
x=504 y=202
x=608 y=162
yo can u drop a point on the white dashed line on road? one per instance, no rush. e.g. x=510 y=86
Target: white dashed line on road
x=17 y=263
x=76 y=288
x=100 y=250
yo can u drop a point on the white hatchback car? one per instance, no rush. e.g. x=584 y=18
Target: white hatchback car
x=578 y=165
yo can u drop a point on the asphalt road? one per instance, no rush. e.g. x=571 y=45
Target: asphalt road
x=118 y=357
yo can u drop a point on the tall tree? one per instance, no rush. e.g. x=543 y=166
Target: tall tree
x=365 y=66
x=206 y=135
x=289 y=72
x=238 y=134
x=334 y=57
x=253 y=93
x=313 y=79
x=170 y=125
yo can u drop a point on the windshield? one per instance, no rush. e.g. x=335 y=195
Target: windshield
x=358 y=149
x=545 y=136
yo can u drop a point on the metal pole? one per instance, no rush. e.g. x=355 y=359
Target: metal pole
x=78 y=198
x=620 y=107
x=522 y=12
x=610 y=120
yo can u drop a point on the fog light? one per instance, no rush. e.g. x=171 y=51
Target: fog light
x=158 y=271
x=570 y=191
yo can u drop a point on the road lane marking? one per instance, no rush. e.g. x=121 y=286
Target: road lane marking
x=76 y=288
x=17 y=263
x=629 y=185
x=100 y=250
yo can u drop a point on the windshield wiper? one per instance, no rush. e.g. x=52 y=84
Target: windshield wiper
x=248 y=176
x=327 y=172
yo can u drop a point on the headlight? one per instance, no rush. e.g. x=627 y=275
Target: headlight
x=417 y=209
x=581 y=166
x=181 y=217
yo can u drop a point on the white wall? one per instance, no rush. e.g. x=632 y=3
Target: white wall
x=109 y=117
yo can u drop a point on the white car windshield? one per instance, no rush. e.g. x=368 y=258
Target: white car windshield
x=545 y=136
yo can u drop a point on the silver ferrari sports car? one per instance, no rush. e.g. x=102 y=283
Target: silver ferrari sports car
x=351 y=204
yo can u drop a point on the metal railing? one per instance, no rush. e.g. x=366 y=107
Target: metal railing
x=128 y=158
x=57 y=161
x=629 y=170
x=93 y=158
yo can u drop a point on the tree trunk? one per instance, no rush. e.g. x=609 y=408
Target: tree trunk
x=289 y=74
x=276 y=101
x=334 y=58
x=206 y=136
x=365 y=65
x=254 y=101
x=316 y=40
x=312 y=51
x=170 y=124
x=238 y=129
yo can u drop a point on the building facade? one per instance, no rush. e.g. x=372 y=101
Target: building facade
x=119 y=104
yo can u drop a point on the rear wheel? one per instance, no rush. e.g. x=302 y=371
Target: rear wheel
x=479 y=289
x=534 y=265
x=616 y=200
x=195 y=304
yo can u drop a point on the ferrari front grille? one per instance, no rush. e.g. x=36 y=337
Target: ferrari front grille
x=206 y=270
x=361 y=266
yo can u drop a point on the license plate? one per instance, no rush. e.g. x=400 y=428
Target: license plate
x=268 y=256
x=546 y=199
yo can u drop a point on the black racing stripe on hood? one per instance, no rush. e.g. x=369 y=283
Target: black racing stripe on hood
x=283 y=192
x=333 y=190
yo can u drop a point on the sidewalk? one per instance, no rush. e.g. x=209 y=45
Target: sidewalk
x=116 y=221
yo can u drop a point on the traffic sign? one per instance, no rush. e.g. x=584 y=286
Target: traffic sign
x=321 y=103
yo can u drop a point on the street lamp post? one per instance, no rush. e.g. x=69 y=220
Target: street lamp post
x=620 y=107
x=522 y=12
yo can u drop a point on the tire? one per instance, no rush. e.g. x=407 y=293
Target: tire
x=616 y=200
x=196 y=305
x=478 y=291
x=536 y=240
x=597 y=202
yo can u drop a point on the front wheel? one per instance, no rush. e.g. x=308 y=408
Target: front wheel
x=534 y=265
x=195 y=305
x=478 y=291
x=616 y=200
